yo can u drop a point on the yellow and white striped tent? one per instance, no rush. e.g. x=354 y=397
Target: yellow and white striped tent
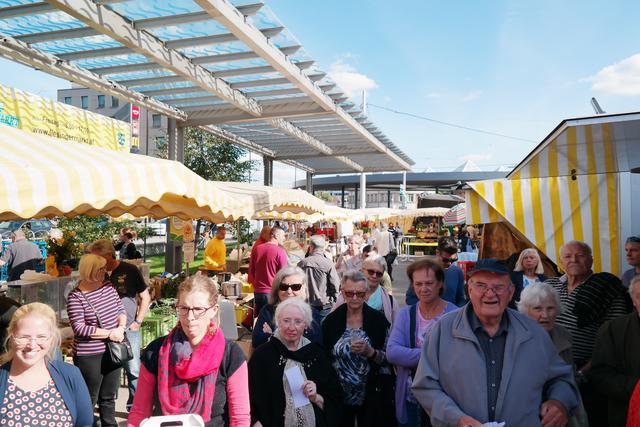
x=41 y=176
x=569 y=188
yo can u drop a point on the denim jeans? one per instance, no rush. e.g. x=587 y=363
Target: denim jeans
x=132 y=367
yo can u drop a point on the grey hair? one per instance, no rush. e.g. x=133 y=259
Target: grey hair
x=304 y=308
x=379 y=259
x=318 y=241
x=291 y=270
x=535 y=294
x=579 y=243
x=634 y=281
x=354 y=276
x=539 y=267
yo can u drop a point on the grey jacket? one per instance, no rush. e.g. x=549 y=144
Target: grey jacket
x=451 y=378
x=323 y=281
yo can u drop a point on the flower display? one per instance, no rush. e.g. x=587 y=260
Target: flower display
x=63 y=247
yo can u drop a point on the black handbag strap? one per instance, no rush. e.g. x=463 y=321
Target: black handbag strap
x=92 y=307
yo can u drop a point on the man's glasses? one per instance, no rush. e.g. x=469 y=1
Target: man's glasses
x=295 y=287
x=497 y=289
x=24 y=340
x=351 y=294
x=372 y=272
x=198 y=312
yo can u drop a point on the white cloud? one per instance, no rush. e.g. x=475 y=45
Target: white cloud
x=348 y=79
x=433 y=95
x=621 y=78
x=475 y=157
x=474 y=94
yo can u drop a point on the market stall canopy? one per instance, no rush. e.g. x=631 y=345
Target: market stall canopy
x=230 y=68
x=567 y=189
x=43 y=176
x=273 y=200
x=455 y=215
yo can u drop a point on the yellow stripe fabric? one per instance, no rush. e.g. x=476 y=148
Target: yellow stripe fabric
x=612 y=196
x=574 y=191
x=594 y=202
x=538 y=221
x=518 y=209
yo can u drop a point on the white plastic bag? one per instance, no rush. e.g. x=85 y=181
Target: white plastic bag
x=187 y=420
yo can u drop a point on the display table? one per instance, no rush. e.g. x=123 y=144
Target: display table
x=428 y=247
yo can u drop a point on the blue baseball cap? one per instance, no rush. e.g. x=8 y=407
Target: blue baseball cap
x=491 y=265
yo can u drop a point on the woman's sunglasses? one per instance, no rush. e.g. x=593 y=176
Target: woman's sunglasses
x=372 y=272
x=295 y=287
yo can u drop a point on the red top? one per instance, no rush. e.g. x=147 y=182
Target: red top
x=266 y=260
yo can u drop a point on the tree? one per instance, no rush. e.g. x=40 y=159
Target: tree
x=214 y=159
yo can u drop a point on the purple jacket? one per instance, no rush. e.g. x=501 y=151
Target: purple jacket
x=405 y=358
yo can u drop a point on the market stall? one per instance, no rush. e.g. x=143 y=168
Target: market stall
x=580 y=183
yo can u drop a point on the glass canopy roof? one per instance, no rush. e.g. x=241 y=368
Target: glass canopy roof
x=230 y=66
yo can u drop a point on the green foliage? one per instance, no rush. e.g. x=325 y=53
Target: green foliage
x=245 y=231
x=211 y=157
x=88 y=229
x=326 y=196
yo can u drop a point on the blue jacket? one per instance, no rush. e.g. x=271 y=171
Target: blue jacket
x=453 y=288
x=70 y=385
x=451 y=379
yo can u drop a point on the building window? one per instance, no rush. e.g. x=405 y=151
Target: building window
x=68 y=100
x=156 y=121
x=101 y=101
x=114 y=102
x=160 y=142
x=84 y=102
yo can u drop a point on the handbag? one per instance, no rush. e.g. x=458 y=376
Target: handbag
x=119 y=353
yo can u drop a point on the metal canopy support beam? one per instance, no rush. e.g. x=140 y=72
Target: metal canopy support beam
x=363 y=191
x=268 y=170
x=272 y=82
x=172 y=138
x=225 y=13
x=21 y=52
x=115 y=26
x=309 y=186
x=187 y=18
x=300 y=135
x=180 y=144
x=225 y=114
x=26 y=9
x=285 y=156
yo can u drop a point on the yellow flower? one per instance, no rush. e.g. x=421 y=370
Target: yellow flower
x=72 y=233
x=60 y=241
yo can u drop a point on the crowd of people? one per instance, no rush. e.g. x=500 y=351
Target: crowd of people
x=332 y=346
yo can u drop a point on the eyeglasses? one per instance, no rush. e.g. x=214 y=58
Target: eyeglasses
x=24 y=340
x=351 y=294
x=449 y=260
x=295 y=287
x=497 y=289
x=198 y=312
x=372 y=272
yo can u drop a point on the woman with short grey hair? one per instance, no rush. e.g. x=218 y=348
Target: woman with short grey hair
x=290 y=282
x=541 y=303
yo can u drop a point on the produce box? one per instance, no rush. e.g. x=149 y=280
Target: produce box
x=155 y=326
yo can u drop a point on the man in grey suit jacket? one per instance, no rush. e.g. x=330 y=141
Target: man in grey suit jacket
x=486 y=363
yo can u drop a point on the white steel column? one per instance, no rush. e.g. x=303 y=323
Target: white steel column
x=171 y=138
x=180 y=144
x=363 y=190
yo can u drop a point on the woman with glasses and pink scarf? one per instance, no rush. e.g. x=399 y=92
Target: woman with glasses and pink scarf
x=194 y=370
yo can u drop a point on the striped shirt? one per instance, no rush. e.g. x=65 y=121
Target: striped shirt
x=84 y=321
x=584 y=338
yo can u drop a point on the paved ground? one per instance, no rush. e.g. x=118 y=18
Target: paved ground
x=400 y=285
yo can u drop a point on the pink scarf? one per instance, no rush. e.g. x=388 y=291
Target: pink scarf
x=179 y=367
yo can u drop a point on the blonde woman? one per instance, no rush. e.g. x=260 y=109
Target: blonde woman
x=34 y=388
x=97 y=316
x=528 y=270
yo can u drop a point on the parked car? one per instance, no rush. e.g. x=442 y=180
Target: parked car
x=33 y=228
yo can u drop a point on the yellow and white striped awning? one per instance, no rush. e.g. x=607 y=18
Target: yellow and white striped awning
x=566 y=189
x=41 y=176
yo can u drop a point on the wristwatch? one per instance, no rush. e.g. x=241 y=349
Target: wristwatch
x=137 y=321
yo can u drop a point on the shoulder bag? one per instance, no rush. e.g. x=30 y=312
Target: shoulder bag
x=119 y=352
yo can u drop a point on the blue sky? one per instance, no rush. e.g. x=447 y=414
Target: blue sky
x=511 y=67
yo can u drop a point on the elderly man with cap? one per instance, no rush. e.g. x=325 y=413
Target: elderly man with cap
x=488 y=363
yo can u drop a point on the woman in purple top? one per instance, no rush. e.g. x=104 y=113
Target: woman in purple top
x=407 y=335
x=97 y=316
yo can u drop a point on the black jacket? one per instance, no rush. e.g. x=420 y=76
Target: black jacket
x=615 y=368
x=266 y=369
